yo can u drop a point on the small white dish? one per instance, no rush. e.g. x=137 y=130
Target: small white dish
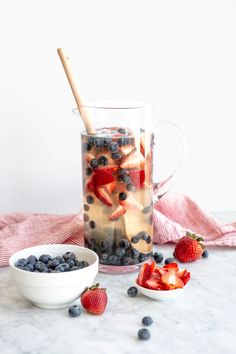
x=54 y=290
x=160 y=295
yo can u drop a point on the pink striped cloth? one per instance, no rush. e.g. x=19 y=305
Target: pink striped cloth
x=174 y=214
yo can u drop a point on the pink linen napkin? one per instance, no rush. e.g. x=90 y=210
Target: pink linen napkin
x=173 y=215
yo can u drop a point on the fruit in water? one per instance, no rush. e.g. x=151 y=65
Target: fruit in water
x=133 y=160
x=137 y=177
x=117 y=213
x=102 y=177
x=131 y=203
x=94 y=300
x=189 y=248
x=103 y=195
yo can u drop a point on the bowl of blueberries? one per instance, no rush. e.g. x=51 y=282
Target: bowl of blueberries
x=55 y=275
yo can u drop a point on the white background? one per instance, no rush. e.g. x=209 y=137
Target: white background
x=178 y=54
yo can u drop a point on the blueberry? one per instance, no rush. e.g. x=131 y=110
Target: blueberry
x=123 y=141
x=74 y=268
x=69 y=255
x=106 y=141
x=86 y=217
x=113 y=259
x=103 y=160
x=43 y=269
x=130 y=187
x=126 y=261
x=94 y=163
x=84 y=264
x=86 y=207
x=74 y=311
x=135 y=239
x=70 y=262
x=87 y=147
x=149 y=239
x=98 y=143
x=116 y=156
x=30 y=266
x=134 y=253
x=92 y=224
x=143 y=235
x=147 y=321
x=121 y=130
x=26 y=268
x=123 y=171
x=22 y=262
x=113 y=147
x=147 y=209
x=89 y=199
x=169 y=260
x=89 y=171
x=91 y=140
x=144 y=334
x=120 y=252
x=124 y=178
x=49 y=264
x=39 y=265
x=124 y=243
x=132 y=291
x=122 y=196
x=59 y=259
x=205 y=254
x=142 y=258
x=158 y=257
x=45 y=258
x=59 y=268
x=104 y=256
x=32 y=259
x=65 y=266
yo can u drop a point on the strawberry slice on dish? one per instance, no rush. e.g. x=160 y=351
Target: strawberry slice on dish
x=117 y=213
x=131 y=202
x=173 y=266
x=145 y=273
x=184 y=275
x=101 y=178
x=103 y=195
x=154 y=284
x=137 y=177
x=134 y=159
x=171 y=280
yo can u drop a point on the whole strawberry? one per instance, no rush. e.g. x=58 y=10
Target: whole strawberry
x=189 y=248
x=94 y=300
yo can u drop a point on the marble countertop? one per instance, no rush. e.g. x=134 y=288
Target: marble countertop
x=202 y=320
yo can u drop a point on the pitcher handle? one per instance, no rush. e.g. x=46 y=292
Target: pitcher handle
x=162 y=187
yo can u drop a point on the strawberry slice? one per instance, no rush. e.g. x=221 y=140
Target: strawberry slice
x=173 y=266
x=109 y=169
x=126 y=149
x=145 y=273
x=171 y=280
x=101 y=178
x=131 y=202
x=134 y=159
x=137 y=177
x=160 y=270
x=117 y=213
x=103 y=195
x=148 y=168
x=154 y=284
x=185 y=276
x=89 y=186
x=111 y=187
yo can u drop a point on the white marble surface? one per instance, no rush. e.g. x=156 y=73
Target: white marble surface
x=202 y=320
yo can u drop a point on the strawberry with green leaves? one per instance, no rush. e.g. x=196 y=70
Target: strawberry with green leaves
x=189 y=248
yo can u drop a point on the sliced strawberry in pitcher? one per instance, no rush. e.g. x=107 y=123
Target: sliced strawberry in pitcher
x=137 y=177
x=111 y=187
x=134 y=160
x=101 y=178
x=148 y=168
x=103 y=195
x=172 y=280
x=131 y=203
x=117 y=213
x=109 y=169
x=126 y=149
x=89 y=186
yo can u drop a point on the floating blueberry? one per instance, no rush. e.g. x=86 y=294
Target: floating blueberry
x=98 y=143
x=169 y=260
x=123 y=171
x=89 y=171
x=94 y=163
x=122 y=196
x=158 y=257
x=113 y=147
x=144 y=334
x=124 y=178
x=91 y=140
x=132 y=291
x=74 y=311
x=143 y=235
x=22 y=262
x=130 y=187
x=45 y=258
x=205 y=254
x=149 y=239
x=147 y=321
x=135 y=239
x=123 y=141
x=116 y=156
x=106 y=141
x=103 y=160
x=86 y=217
x=87 y=147
x=124 y=243
x=121 y=130
x=86 y=207
x=89 y=199
x=32 y=259
x=92 y=224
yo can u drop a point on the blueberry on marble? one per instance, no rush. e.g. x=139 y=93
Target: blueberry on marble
x=158 y=257
x=205 y=254
x=144 y=334
x=169 y=260
x=74 y=311
x=147 y=321
x=45 y=258
x=132 y=291
x=22 y=262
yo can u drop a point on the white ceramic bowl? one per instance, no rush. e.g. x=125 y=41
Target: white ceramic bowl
x=160 y=295
x=54 y=290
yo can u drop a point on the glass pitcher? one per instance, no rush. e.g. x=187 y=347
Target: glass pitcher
x=118 y=187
